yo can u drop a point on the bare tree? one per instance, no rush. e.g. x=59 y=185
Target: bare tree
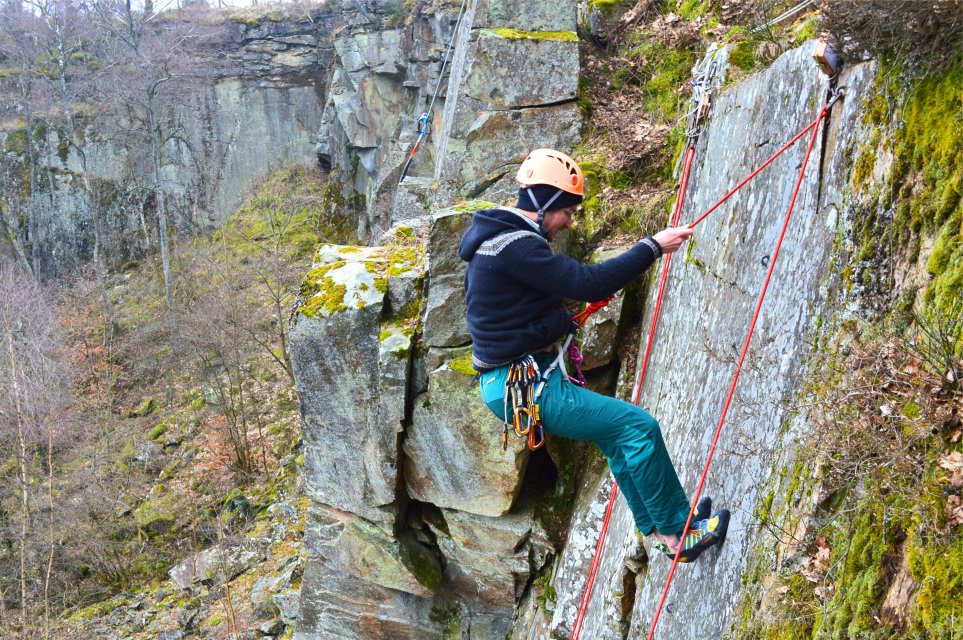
x=148 y=61
x=216 y=321
x=37 y=377
x=21 y=52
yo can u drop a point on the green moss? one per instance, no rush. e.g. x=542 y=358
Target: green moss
x=743 y=55
x=796 y=480
x=936 y=564
x=927 y=174
x=664 y=69
x=423 y=565
x=63 y=148
x=397 y=270
x=516 y=34
x=692 y=9
x=606 y=7
x=544 y=591
x=472 y=206
x=320 y=293
x=156 y=514
x=806 y=30
x=691 y=259
x=447 y=617
x=462 y=365
x=946 y=265
x=860 y=581
x=16 y=141
x=911 y=410
x=764 y=509
x=158 y=431
x=146 y=407
x=292 y=209
x=583 y=100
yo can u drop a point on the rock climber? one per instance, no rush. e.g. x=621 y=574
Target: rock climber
x=514 y=290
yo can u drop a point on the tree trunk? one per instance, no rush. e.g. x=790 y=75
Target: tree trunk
x=13 y=237
x=22 y=464
x=162 y=221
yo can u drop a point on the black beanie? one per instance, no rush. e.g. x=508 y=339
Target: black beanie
x=543 y=193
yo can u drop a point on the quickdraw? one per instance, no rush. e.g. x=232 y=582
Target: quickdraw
x=523 y=388
x=422 y=134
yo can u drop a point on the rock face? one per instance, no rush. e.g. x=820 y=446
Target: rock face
x=403 y=542
x=481 y=124
x=260 y=113
x=705 y=316
x=452 y=431
x=351 y=350
x=343 y=86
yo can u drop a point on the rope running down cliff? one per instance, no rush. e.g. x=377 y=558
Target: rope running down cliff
x=424 y=122
x=703 y=81
x=586 y=596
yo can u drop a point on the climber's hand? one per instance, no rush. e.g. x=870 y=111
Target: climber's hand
x=672 y=238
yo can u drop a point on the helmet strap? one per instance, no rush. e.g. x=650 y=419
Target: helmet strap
x=542 y=208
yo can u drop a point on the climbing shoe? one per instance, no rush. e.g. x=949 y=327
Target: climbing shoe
x=700 y=536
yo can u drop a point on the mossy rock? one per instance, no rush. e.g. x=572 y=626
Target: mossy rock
x=159 y=430
x=156 y=515
x=517 y=34
x=146 y=408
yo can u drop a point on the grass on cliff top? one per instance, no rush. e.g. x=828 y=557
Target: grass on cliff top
x=635 y=91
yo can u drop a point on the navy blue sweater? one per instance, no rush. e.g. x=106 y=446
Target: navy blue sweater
x=515 y=285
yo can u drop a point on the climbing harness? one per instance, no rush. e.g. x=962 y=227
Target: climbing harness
x=525 y=383
x=814 y=126
x=424 y=122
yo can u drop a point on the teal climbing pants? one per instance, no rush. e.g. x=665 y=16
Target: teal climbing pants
x=627 y=435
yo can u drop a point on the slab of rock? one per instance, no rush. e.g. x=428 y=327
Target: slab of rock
x=215 y=565
x=337 y=602
x=488 y=561
x=350 y=355
x=488 y=145
x=537 y=16
x=601 y=329
x=445 y=324
x=454 y=456
x=550 y=58
x=403 y=564
x=288 y=603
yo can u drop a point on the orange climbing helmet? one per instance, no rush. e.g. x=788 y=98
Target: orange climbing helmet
x=553 y=168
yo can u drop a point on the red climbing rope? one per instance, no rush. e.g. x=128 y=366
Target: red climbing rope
x=745 y=350
x=664 y=276
x=690 y=152
x=597 y=557
x=754 y=173
x=582 y=316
